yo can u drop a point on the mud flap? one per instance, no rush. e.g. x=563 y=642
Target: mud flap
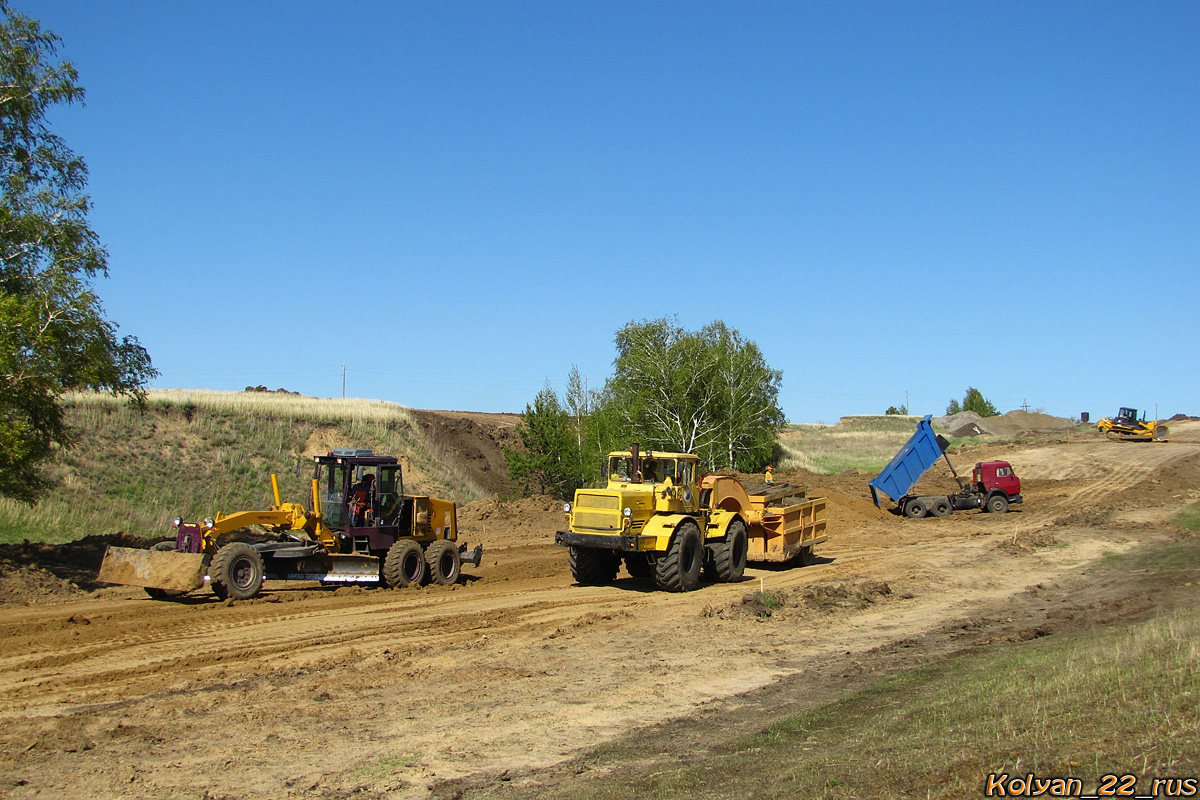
x=153 y=569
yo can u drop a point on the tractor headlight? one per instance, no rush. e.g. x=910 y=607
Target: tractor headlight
x=208 y=523
x=628 y=512
x=566 y=508
x=175 y=523
x=687 y=495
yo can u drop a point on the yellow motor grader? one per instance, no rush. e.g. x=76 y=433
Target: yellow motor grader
x=362 y=529
x=1126 y=427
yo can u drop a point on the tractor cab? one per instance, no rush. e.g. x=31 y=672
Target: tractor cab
x=1127 y=416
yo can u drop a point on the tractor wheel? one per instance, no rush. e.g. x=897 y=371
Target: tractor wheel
x=678 y=570
x=404 y=565
x=997 y=504
x=941 y=508
x=236 y=572
x=638 y=566
x=164 y=594
x=591 y=567
x=443 y=562
x=727 y=559
x=915 y=509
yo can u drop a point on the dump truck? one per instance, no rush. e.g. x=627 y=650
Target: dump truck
x=994 y=486
x=663 y=519
x=362 y=528
x=1126 y=427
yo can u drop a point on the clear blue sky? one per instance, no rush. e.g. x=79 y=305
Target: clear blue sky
x=459 y=201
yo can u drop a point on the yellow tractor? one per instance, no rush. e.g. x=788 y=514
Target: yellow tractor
x=663 y=520
x=362 y=529
x=1126 y=427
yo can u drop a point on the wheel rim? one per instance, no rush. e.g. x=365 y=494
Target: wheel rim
x=446 y=563
x=242 y=573
x=411 y=566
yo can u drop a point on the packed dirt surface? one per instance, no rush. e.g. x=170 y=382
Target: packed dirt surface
x=497 y=686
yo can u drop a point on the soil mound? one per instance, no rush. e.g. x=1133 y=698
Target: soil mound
x=1012 y=424
x=34 y=572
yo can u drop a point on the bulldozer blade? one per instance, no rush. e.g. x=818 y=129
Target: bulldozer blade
x=153 y=569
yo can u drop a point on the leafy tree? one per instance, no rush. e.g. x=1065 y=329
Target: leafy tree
x=549 y=459
x=54 y=337
x=975 y=401
x=902 y=411
x=708 y=392
x=972 y=401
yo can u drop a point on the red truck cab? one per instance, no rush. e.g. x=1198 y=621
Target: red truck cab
x=991 y=475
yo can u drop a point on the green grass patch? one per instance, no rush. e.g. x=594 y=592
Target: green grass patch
x=862 y=443
x=1188 y=518
x=196 y=453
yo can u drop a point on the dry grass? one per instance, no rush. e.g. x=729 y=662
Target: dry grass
x=194 y=453
x=863 y=443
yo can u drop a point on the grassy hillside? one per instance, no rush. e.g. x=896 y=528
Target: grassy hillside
x=194 y=453
x=866 y=443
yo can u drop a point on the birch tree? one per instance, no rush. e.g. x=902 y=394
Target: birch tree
x=54 y=336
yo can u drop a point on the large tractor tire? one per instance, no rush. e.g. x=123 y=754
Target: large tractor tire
x=591 y=567
x=404 y=564
x=236 y=572
x=726 y=560
x=164 y=594
x=444 y=564
x=638 y=567
x=678 y=570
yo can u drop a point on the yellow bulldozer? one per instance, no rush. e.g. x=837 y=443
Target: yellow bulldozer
x=362 y=529
x=1126 y=427
x=664 y=520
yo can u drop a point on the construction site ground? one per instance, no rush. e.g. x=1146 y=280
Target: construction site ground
x=503 y=685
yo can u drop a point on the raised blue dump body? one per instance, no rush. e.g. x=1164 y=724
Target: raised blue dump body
x=918 y=454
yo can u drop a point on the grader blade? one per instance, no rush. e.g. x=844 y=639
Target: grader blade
x=153 y=569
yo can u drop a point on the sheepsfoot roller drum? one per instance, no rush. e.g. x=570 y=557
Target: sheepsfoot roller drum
x=361 y=528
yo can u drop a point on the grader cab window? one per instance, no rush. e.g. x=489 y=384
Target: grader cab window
x=333 y=497
x=391 y=490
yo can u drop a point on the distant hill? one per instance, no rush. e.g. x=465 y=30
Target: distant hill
x=196 y=453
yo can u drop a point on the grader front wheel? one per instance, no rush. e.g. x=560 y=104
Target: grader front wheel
x=236 y=572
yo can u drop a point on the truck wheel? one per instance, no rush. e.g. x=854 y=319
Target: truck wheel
x=997 y=504
x=404 y=565
x=443 y=562
x=727 y=559
x=164 y=594
x=236 y=572
x=592 y=567
x=678 y=570
x=941 y=508
x=915 y=509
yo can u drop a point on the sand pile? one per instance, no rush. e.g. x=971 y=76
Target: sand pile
x=1014 y=423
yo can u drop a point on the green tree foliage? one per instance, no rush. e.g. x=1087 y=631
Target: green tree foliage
x=708 y=392
x=548 y=461
x=54 y=336
x=972 y=401
x=892 y=411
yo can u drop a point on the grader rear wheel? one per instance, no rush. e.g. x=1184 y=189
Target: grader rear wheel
x=444 y=564
x=404 y=565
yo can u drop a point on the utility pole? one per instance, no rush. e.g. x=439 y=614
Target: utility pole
x=1025 y=406
x=343 y=381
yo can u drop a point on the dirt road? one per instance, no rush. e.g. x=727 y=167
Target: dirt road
x=318 y=693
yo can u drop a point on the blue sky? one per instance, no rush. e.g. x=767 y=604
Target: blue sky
x=460 y=201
